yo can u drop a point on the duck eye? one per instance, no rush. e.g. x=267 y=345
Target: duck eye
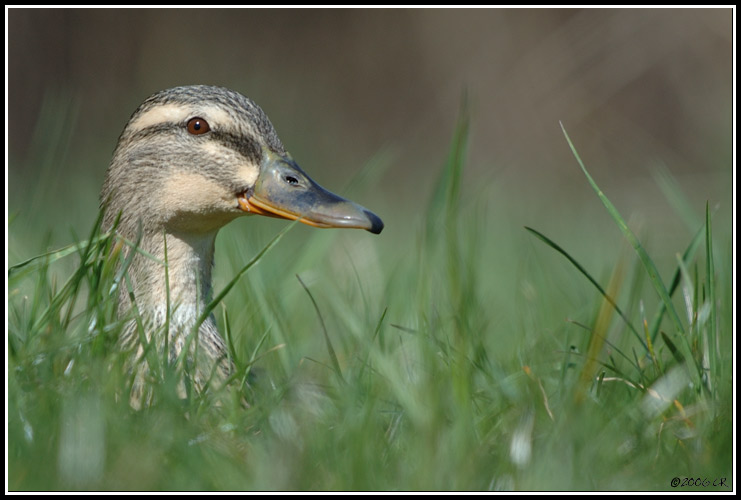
x=291 y=180
x=197 y=126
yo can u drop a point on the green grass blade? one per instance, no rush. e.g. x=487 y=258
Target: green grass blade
x=375 y=334
x=212 y=305
x=651 y=351
x=68 y=294
x=688 y=288
x=710 y=270
x=586 y=274
x=55 y=255
x=648 y=264
x=446 y=193
x=330 y=349
x=611 y=345
x=168 y=305
x=228 y=336
x=688 y=254
x=673 y=348
x=690 y=301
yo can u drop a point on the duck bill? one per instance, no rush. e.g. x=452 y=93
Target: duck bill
x=283 y=190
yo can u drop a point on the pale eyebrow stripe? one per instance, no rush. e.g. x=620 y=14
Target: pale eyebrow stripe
x=178 y=113
x=166 y=113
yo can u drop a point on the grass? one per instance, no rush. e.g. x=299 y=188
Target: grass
x=438 y=361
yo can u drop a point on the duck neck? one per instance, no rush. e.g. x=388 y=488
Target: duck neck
x=175 y=278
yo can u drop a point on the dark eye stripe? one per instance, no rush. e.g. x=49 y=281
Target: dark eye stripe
x=245 y=146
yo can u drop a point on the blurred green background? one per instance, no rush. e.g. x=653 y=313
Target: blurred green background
x=635 y=88
x=366 y=101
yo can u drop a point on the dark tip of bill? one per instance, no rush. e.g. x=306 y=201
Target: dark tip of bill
x=376 y=222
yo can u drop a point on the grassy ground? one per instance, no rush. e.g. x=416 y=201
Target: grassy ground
x=454 y=352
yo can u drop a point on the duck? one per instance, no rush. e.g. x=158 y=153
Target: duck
x=190 y=160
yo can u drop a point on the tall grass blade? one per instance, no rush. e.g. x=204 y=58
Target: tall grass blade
x=168 y=305
x=710 y=270
x=330 y=349
x=446 y=194
x=598 y=334
x=55 y=255
x=651 y=351
x=594 y=282
x=228 y=335
x=672 y=348
x=380 y=342
x=690 y=300
x=648 y=264
x=212 y=305
x=68 y=293
x=688 y=254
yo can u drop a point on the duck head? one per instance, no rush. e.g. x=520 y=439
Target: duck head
x=191 y=159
